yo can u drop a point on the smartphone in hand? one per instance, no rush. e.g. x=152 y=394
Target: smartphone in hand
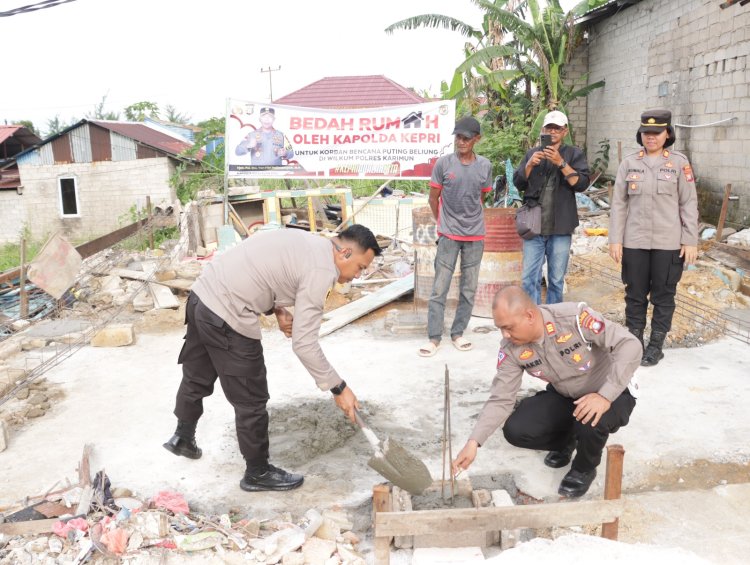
x=546 y=140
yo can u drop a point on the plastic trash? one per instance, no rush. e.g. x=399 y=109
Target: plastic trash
x=199 y=542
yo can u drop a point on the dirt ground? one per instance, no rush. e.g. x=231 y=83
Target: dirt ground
x=120 y=401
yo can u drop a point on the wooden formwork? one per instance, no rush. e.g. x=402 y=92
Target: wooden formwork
x=453 y=522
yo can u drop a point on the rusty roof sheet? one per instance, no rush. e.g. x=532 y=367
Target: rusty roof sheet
x=21 y=133
x=368 y=91
x=146 y=135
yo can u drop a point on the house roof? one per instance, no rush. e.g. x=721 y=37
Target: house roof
x=368 y=91
x=21 y=133
x=146 y=135
x=605 y=11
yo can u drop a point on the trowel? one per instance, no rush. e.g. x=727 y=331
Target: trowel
x=393 y=462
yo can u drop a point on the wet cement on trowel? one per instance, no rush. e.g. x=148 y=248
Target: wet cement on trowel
x=401 y=467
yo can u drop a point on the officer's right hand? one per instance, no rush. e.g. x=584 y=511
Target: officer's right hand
x=615 y=252
x=285 y=320
x=347 y=401
x=465 y=457
x=251 y=141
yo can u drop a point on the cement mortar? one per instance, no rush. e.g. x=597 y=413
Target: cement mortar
x=305 y=431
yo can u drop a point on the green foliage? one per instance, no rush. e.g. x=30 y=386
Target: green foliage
x=28 y=124
x=501 y=143
x=56 y=125
x=139 y=111
x=601 y=160
x=173 y=116
x=10 y=253
x=100 y=114
x=209 y=173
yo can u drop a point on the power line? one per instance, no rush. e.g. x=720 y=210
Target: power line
x=34 y=7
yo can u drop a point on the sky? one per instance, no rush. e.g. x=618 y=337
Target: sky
x=194 y=55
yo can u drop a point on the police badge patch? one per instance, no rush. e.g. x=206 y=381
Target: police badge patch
x=500 y=357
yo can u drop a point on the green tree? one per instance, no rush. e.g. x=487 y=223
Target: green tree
x=172 y=115
x=210 y=171
x=515 y=60
x=141 y=110
x=56 y=125
x=28 y=124
x=99 y=113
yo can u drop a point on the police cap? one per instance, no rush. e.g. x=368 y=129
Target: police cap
x=267 y=110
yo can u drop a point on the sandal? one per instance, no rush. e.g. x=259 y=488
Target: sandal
x=428 y=350
x=462 y=344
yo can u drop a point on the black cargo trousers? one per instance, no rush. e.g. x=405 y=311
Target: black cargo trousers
x=651 y=274
x=545 y=422
x=214 y=349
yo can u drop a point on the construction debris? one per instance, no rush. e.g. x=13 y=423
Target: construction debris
x=116 y=524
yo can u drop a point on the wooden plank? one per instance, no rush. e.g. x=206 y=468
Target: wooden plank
x=723 y=213
x=340 y=317
x=613 y=486
x=163 y=297
x=30 y=527
x=490 y=519
x=732 y=257
x=179 y=284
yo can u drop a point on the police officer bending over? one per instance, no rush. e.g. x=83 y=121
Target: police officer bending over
x=588 y=363
x=264 y=274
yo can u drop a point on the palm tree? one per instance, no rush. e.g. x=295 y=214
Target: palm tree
x=512 y=51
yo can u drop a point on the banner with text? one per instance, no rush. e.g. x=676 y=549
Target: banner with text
x=271 y=140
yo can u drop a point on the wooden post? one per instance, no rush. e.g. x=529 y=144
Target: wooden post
x=619 y=152
x=150 y=225
x=613 y=486
x=723 y=213
x=610 y=190
x=311 y=215
x=381 y=502
x=23 y=296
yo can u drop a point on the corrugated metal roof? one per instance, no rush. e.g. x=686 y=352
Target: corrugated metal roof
x=21 y=133
x=368 y=91
x=146 y=135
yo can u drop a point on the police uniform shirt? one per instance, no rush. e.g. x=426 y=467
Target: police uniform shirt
x=275 y=268
x=267 y=143
x=654 y=204
x=579 y=353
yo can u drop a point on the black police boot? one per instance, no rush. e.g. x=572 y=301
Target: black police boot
x=557 y=459
x=183 y=441
x=576 y=483
x=638 y=332
x=653 y=353
x=270 y=478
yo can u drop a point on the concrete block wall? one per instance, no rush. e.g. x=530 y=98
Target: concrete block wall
x=693 y=58
x=12 y=216
x=106 y=192
x=575 y=70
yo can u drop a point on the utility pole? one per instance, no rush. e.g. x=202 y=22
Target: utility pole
x=270 y=72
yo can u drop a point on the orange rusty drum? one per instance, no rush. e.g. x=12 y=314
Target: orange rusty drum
x=425 y=236
x=502 y=259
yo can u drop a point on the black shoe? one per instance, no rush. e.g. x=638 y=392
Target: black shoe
x=557 y=459
x=653 y=353
x=638 y=332
x=272 y=478
x=576 y=483
x=185 y=447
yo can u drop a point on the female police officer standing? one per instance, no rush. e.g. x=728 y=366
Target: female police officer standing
x=653 y=228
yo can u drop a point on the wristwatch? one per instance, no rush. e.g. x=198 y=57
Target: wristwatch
x=339 y=388
x=562 y=165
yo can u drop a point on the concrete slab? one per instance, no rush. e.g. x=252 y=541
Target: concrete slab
x=56 y=328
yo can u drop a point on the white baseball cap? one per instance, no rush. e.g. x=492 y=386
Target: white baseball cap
x=556 y=117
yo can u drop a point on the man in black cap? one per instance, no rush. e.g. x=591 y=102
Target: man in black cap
x=267 y=146
x=456 y=187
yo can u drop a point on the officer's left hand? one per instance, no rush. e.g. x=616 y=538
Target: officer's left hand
x=280 y=151
x=690 y=253
x=592 y=405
